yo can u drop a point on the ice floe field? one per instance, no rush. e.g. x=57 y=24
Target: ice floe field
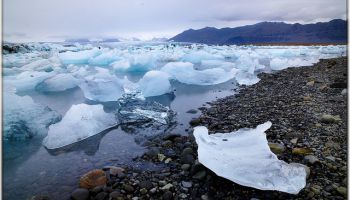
x=70 y=108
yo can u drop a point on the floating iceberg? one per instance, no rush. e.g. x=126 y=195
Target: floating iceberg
x=80 y=122
x=102 y=90
x=121 y=65
x=154 y=83
x=39 y=65
x=60 y=82
x=80 y=57
x=105 y=58
x=141 y=62
x=227 y=66
x=244 y=157
x=185 y=73
x=198 y=56
x=191 y=64
x=28 y=80
x=23 y=118
x=102 y=86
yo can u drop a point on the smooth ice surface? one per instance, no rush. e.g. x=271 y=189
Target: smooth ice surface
x=80 y=57
x=283 y=63
x=80 y=122
x=28 y=80
x=121 y=65
x=39 y=65
x=58 y=83
x=244 y=157
x=200 y=55
x=105 y=58
x=102 y=86
x=23 y=118
x=184 y=72
x=154 y=83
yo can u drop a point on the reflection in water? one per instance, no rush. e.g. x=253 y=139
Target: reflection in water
x=57 y=174
x=89 y=145
x=17 y=152
x=164 y=99
x=108 y=107
x=59 y=101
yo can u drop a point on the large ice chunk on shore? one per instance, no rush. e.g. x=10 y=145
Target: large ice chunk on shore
x=246 y=78
x=283 y=63
x=59 y=82
x=23 y=118
x=244 y=157
x=80 y=57
x=80 y=122
x=154 y=83
x=185 y=73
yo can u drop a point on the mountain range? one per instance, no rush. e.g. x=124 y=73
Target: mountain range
x=334 y=32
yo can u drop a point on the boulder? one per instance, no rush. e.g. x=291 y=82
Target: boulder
x=92 y=179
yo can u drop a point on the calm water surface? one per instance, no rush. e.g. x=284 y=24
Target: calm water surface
x=30 y=169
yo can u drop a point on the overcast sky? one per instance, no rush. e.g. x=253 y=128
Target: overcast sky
x=54 y=20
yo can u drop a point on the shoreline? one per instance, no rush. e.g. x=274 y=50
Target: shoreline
x=294 y=99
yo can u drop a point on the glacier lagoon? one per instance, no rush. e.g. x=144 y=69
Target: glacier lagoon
x=44 y=81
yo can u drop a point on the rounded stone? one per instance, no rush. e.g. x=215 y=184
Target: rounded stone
x=101 y=196
x=187 y=159
x=146 y=184
x=187 y=151
x=114 y=195
x=277 y=148
x=167 y=186
x=200 y=175
x=115 y=170
x=330 y=119
x=185 y=167
x=128 y=188
x=80 y=194
x=92 y=179
x=143 y=191
x=301 y=151
x=97 y=189
x=167 y=195
x=342 y=191
x=311 y=159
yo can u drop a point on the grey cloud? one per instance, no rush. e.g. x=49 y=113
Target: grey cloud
x=41 y=19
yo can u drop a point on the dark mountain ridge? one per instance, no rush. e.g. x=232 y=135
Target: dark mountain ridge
x=334 y=31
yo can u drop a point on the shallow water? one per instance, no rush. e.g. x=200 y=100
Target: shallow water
x=31 y=169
